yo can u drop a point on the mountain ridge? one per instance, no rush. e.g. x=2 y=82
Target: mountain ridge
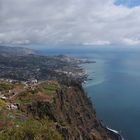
x=16 y=51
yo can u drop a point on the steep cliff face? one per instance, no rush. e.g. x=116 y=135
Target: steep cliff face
x=73 y=114
x=48 y=111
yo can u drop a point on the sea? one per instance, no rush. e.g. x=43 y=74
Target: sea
x=113 y=85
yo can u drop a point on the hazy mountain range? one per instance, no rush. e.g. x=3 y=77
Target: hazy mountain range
x=15 y=51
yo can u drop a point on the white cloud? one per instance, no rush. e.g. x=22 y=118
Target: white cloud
x=97 y=42
x=132 y=42
x=96 y=22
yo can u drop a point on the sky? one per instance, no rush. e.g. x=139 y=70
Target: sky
x=86 y=22
x=128 y=3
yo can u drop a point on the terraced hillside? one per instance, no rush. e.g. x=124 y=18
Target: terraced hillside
x=47 y=110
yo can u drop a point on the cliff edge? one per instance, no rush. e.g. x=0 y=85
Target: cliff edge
x=48 y=110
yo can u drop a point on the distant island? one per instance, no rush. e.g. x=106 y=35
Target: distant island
x=42 y=98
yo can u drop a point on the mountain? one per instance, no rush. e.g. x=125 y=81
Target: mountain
x=15 y=51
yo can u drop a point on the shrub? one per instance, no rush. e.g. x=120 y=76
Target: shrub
x=32 y=130
x=2 y=103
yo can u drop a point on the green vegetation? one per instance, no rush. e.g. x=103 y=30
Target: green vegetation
x=32 y=130
x=6 y=86
x=25 y=98
x=19 y=124
x=11 y=118
x=2 y=103
x=24 y=101
x=49 y=88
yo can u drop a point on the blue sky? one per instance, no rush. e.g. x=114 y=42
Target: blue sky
x=129 y=3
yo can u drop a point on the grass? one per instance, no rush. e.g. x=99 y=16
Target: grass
x=2 y=103
x=24 y=98
x=24 y=101
x=32 y=130
x=50 y=88
x=6 y=86
x=17 y=124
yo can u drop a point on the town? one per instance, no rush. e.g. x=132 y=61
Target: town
x=38 y=68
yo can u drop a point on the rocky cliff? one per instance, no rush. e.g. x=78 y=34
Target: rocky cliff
x=74 y=115
x=66 y=107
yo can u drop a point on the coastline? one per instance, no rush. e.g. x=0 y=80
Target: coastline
x=112 y=131
x=120 y=137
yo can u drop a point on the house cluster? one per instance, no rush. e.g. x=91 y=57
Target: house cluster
x=9 y=94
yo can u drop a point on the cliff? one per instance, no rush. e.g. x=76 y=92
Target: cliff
x=49 y=110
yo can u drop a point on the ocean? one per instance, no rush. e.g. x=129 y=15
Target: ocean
x=114 y=87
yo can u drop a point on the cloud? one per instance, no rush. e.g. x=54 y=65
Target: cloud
x=96 y=22
x=132 y=42
x=97 y=42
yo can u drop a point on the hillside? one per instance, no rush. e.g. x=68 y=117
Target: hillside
x=41 y=98
x=15 y=51
x=46 y=111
